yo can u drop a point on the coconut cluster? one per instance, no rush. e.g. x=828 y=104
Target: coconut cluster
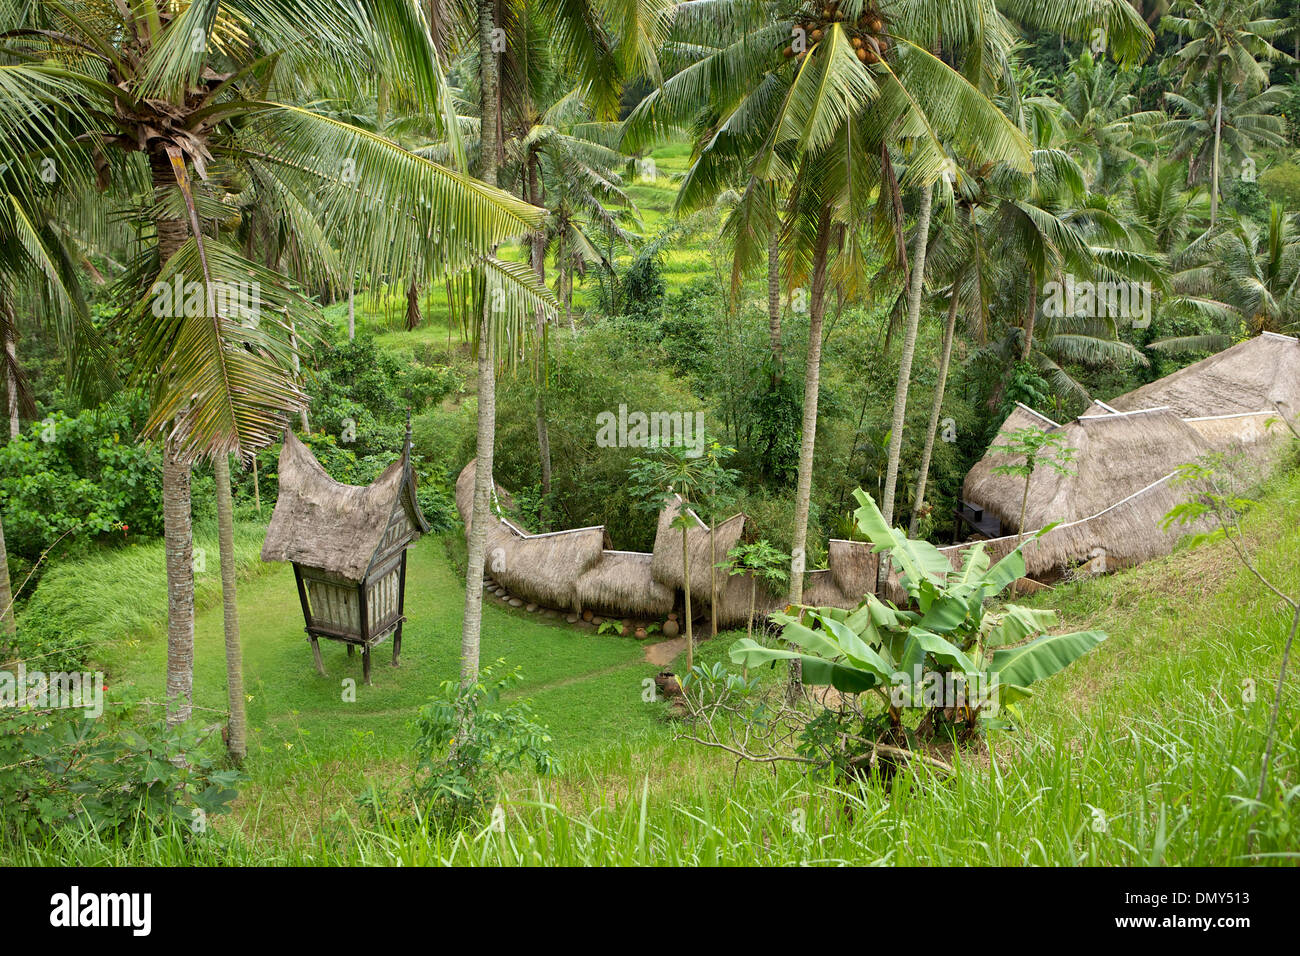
x=866 y=33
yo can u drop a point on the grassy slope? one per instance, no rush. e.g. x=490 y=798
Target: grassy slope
x=1150 y=730
x=1147 y=751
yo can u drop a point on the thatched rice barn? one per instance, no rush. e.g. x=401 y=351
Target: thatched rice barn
x=1127 y=450
x=347 y=544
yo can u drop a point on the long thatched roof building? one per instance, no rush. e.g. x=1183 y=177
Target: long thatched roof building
x=1128 y=449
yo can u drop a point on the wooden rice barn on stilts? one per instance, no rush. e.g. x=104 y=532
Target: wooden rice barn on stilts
x=348 y=547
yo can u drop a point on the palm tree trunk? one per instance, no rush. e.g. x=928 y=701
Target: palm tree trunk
x=713 y=577
x=352 y=310
x=178 y=531
x=1031 y=320
x=11 y=380
x=7 y=625
x=538 y=255
x=178 y=537
x=297 y=371
x=936 y=409
x=811 y=386
x=909 y=351
x=753 y=602
x=472 y=625
x=774 y=300
x=236 y=741
x=1218 y=137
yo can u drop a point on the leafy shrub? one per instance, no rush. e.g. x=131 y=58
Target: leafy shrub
x=468 y=738
x=951 y=655
x=84 y=477
x=59 y=767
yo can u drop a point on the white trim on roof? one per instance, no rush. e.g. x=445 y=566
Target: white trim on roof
x=1215 y=418
x=551 y=534
x=1139 y=411
x=1037 y=414
x=1279 y=335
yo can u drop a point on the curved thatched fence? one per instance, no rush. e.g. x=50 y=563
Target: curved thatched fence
x=574 y=571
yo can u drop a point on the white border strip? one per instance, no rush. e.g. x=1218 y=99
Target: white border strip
x=1037 y=414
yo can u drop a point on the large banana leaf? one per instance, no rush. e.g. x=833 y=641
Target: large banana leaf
x=1042 y=658
x=815 y=670
x=1018 y=623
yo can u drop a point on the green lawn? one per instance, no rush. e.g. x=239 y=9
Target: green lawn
x=584 y=685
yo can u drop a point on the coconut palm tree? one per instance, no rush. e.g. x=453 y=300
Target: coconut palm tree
x=1244 y=275
x=173 y=108
x=1162 y=211
x=601 y=42
x=1225 y=42
x=821 y=120
x=1210 y=129
x=1100 y=122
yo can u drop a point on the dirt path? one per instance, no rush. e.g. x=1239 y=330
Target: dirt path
x=665 y=652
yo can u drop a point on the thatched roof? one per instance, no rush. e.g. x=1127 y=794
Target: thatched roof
x=1256 y=375
x=1117 y=455
x=621 y=584
x=321 y=523
x=1128 y=448
x=543 y=568
x=668 y=545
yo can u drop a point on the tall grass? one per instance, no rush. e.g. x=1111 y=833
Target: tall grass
x=97 y=606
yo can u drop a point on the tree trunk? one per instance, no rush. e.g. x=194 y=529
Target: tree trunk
x=179 y=541
x=811 y=385
x=909 y=352
x=774 y=301
x=1031 y=320
x=538 y=256
x=471 y=628
x=352 y=311
x=936 y=410
x=236 y=742
x=753 y=602
x=7 y=625
x=1218 y=136
x=686 y=590
x=297 y=371
x=713 y=578
x=178 y=532
x=11 y=380
x=812 y=382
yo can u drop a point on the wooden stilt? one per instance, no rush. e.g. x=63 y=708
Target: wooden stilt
x=365 y=663
x=315 y=653
x=397 y=645
x=351 y=649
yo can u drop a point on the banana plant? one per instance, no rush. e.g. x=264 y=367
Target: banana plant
x=948 y=632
